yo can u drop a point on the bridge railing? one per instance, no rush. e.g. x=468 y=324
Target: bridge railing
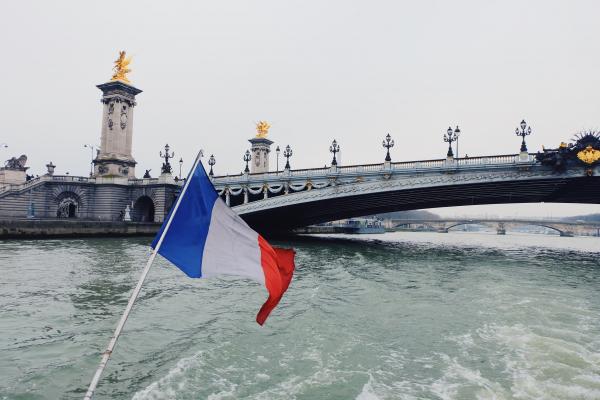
x=488 y=160
x=67 y=178
x=12 y=187
x=505 y=159
x=9 y=187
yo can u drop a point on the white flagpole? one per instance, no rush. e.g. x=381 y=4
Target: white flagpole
x=113 y=340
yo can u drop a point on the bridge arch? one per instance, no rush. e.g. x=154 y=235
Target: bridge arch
x=547 y=226
x=354 y=191
x=68 y=205
x=143 y=209
x=466 y=223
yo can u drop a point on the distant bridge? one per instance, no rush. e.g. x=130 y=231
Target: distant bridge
x=297 y=198
x=501 y=225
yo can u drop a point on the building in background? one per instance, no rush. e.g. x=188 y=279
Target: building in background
x=112 y=192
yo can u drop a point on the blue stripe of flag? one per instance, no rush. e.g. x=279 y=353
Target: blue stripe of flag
x=183 y=244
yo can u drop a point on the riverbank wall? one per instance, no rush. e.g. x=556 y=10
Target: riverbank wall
x=74 y=228
x=42 y=228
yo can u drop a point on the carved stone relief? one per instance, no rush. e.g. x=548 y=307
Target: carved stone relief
x=123 y=117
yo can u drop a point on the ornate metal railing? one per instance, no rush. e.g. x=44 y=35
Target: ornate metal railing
x=405 y=166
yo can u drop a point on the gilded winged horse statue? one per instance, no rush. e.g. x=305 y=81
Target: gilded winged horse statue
x=121 y=69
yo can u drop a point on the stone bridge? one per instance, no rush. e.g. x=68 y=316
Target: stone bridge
x=563 y=228
x=296 y=198
x=97 y=198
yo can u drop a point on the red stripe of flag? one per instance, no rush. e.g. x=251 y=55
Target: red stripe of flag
x=278 y=266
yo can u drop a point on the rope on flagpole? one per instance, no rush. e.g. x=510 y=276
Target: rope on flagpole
x=113 y=340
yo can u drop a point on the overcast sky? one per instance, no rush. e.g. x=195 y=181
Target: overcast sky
x=316 y=70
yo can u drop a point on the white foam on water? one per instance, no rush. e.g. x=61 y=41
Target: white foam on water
x=559 y=362
x=176 y=381
x=543 y=366
x=367 y=392
x=164 y=388
x=197 y=372
x=459 y=380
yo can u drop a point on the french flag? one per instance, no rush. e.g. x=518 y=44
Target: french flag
x=204 y=237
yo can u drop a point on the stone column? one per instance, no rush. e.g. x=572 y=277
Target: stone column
x=114 y=157
x=260 y=148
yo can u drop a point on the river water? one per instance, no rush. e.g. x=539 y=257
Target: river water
x=393 y=316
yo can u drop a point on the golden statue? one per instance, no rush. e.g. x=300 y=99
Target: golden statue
x=589 y=155
x=262 y=128
x=121 y=69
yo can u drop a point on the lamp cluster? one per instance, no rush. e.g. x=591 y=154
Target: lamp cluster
x=450 y=136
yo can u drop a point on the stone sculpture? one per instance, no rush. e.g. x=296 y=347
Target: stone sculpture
x=16 y=163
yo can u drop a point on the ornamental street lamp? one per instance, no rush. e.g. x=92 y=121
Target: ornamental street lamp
x=334 y=148
x=456 y=135
x=388 y=143
x=180 y=165
x=525 y=131
x=91 y=162
x=166 y=167
x=247 y=158
x=211 y=162
x=278 y=150
x=287 y=153
x=449 y=138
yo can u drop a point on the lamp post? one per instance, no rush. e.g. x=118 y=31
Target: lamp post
x=180 y=165
x=278 y=150
x=211 y=162
x=388 y=143
x=247 y=158
x=334 y=148
x=287 y=153
x=456 y=135
x=525 y=131
x=449 y=138
x=91 y=162
x=166 y=167
x=3 y=146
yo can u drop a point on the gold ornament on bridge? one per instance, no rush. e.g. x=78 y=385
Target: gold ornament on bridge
x=589 y=155
x=262 y=129
x=121 y=69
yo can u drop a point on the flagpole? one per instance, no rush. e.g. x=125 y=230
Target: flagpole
x=113 y=341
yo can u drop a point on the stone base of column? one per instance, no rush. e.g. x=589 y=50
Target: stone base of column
x=114 y=167
x=523 y=156
x=13 y=176
x=166 y=178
